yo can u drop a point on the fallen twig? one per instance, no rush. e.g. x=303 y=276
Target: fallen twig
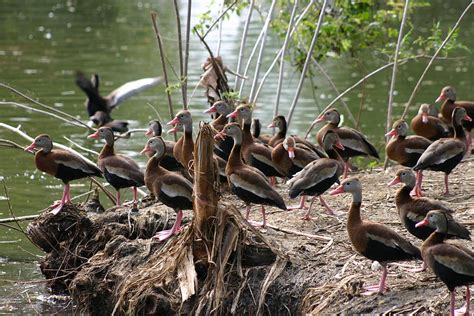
x=294 y=232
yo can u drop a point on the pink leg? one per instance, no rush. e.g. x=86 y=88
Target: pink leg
x=272 y=181
x=465 y=309
x=446 y=185
x=58 y=207
x=380 y=288
x=419 y=179
x=326 y=206
x=300 y=206
x=247 y=212
x=451 y=309
x=118 y=198
x=263 y=223
x=165 y=234
x=135 y=197
x=306 y=216
x=346 y=169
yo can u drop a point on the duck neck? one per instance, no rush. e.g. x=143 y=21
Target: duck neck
x=153 y=167
x=403 y=194
x=107 y=150
x=459 y=131
x=235 y=154
x=435 y=238
x=246 y=133
x=283 y=129
x=354 y=212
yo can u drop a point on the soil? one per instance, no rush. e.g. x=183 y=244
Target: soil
x=301 y=267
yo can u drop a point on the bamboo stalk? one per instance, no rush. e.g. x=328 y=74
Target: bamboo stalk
x=418 y=84
x=163 y=65
x=280 y=51
x=247 y=66
x=186 y=51
x=262 y=48
x=394 y=76
x=242 y=43
x=180 y=54
x=282 y=61
x=71 y=117
x=306 y=63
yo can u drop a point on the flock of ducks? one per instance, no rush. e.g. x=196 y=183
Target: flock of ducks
x=250 y=163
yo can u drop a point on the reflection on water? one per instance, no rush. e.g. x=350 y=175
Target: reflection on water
x=44 y=42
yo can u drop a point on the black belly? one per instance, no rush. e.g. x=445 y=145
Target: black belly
x=67 y=174
x=451 y=278
x=119 y=182
x=169 y=162
x=267 y=170
x=248 y=197
x=411 y=161
x=321 y=187
x=224 y=148
x=378 y=251
x=448 y=165
x=294 y=169
x=349 y=152
x=421 y=232
x=176 y=202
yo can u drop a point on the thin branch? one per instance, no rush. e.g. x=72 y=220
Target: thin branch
x=280 y=51
x=186 y=51
x=376 y=71
x=180 y=49
x=219 y=36
x=242 y=43
x=307 y=62
x=282 y=60
x=219 y=18
x=412 y=96
x=260 y=53
x=163 y=64
x=27 y=107
x=331 y=83
x=11 y=144
x=394 y=76
x=87 y=150
x=72 y=118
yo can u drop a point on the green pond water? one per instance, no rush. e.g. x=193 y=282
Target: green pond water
x=43 y=43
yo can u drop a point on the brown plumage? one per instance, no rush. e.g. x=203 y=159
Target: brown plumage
x=257 y=132
x=168 y=161
x=412 y=210
x=119 y=170
x=247 y=182
x=373 y=240
x=223 y=147
x=448 y=95
x=446 y=153
x=290 y=157
x=319 y=175
x=453 y=264
x=61 y=164
x=406 y=150
x=101 y=118
x=168 y=187
x=430 y=127
x=254 y=153
x=184 y=148
x=354 y=142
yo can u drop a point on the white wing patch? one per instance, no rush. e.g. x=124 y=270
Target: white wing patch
x=387 y=242
x=414 y=150
x=130 y=88
x=74 y=164
x=263 y=159
x=120 y=172
x=453 y=264
x=246 y=185
x=173 y=190
x=414 y=217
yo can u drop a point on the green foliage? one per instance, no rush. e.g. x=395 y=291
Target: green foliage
x=206 y=19
x=231 y=95
x=172 y=87
x=367 y=28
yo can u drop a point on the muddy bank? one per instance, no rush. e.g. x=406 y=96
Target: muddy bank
x=108 y=262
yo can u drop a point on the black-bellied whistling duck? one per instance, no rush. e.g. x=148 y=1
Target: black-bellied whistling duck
x=354 y=142
x=406 y=150
x=446 y=153
x=373 y=240
x=61 y=164
x=120 y=171
x=101 y=118
x=290 y=158
x=318 y=176
x=413 y=210
x=430 y=127
x=453 y=264
x=247 y=182
x=95 y=102
x=255 y=154
x=280 y=123
x=257 y=132
x=184 y=148
x=222 y=148
x=168 y=161
x=448 y=95
x=168 y=187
